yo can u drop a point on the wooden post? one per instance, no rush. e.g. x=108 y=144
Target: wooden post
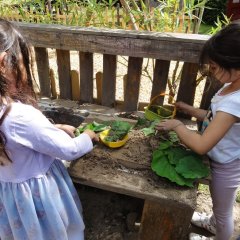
x=165 y=220
x=53 y=84
x=75 y=85
x=99 y=78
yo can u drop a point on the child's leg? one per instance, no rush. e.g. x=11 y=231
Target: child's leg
x=225 y=180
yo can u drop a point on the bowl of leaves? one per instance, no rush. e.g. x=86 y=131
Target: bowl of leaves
x=154 y=111
x=117 y=135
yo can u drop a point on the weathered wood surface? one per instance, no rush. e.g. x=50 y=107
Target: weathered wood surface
x=64 y=73
x=129 y=183
x=165 y=220
x=165 y=46
x=132 y=86
x=86 y=77
x=108 y=82
x=160 y=78
x=41 y=57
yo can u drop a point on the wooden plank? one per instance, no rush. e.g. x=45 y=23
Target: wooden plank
x=64 y=73
x=132 y=84
x=109 y=80
x=75 y=85
x=187 y=86
x=86 y=77
x=53 y=84
x=41 y=57
x=165 y=220
x=155 y=45
x=126 y=182
x=99 y=80
x=160 y=77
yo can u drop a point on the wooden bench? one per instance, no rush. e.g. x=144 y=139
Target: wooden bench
x=167 y=208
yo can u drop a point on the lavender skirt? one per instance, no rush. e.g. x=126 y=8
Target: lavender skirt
x=45 y=208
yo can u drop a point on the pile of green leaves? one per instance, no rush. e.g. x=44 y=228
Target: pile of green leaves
x=94 y=126
x=118 y=130
x=178 y=164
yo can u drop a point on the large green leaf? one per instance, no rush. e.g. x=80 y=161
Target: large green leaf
x=163 y=168
x=178 y=164
x=176 y=153
x=192 y=167
x=94 y=126
x=118 y=131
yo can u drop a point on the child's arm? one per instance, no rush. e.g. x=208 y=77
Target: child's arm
x=201 y=144
x=198 y=113
x=66 y=128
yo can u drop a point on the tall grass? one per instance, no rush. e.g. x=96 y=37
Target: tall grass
x=168 y=16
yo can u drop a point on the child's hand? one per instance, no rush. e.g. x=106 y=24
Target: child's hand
x=168 y=125
x=92 y=135
x=67 y=128
x=183 y=107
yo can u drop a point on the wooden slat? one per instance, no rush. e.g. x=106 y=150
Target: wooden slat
x=165 y=46
x=166 y=220
x=99 y=80
x=188 y=84
x=132 y=84
x=160 y=78
x=109 y=80
x=86 y=77
x=53 y=84
x=75 y=85
x=41 y=57
x=64 y=73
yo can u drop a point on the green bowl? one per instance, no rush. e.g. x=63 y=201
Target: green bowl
x=154 y=112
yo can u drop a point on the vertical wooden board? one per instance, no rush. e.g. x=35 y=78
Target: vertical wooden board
x=165 y=220
x=160 y=78
x=41 y=56
x=132 y=84
x=75 y=85
x=64 y=74
x=188 y=83
x=86 y=77
x=99 y=80
x=211 y=87
x=53 y=84
x=109 y=80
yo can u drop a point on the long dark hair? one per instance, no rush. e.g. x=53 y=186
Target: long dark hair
x=222 y=48
x=18 y=61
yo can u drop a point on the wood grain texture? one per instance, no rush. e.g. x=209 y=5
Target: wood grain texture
x=64 y=73
x=160 y=78
x=165 y=220
x=165 y=46
x=86 y=77
x=109 y=80
x=132 y=86
x=41 y=57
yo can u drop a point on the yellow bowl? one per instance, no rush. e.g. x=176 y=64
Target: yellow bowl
x=117 y=144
